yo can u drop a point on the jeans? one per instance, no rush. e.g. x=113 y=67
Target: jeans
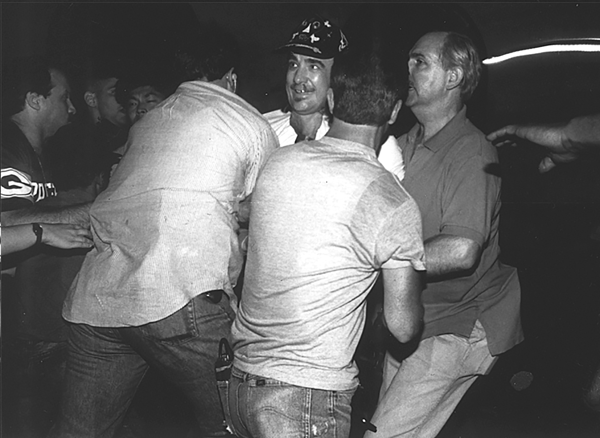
x=419 y=395
x=106 y=365
x=258 y=407
x=32 y=376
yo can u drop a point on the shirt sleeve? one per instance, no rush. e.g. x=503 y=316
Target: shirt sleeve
x=17 y=184
x=266 y=142
x=400 y=240
x=390 y=156
x=471 y=199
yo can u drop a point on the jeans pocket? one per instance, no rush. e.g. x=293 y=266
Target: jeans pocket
x=200 y=313
x=175 y=328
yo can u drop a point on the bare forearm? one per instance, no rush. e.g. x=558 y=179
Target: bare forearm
x=78 y=214
x=402 y=305
x=582 y=133
x=448 y=255
x=66 y=236
x=17 y=238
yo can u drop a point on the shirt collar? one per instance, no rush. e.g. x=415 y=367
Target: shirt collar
x=349 y=146
x=444 y=135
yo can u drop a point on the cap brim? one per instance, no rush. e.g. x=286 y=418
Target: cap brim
x=302 y=50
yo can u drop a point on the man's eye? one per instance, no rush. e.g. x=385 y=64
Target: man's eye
x=132 y=104
x=292 y=65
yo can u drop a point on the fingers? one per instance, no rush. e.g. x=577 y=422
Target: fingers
x=67 y=236
x=546 y=164
x=501 y=137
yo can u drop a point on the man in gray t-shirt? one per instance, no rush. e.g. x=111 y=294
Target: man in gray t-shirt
x=326 y=219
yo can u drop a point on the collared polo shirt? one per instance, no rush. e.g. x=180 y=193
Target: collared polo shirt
x=454 y=179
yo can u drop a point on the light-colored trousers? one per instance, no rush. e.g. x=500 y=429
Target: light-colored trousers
x=418 y=395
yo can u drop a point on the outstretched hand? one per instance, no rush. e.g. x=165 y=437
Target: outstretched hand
x=67 y=236
x=552 y=137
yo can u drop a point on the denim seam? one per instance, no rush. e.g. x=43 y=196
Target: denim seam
x=332 y=399
x=307 y=414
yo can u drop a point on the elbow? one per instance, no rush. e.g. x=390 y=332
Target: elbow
x=407 y=329
x=406 y=336
x=468 y=259
x=407 y=333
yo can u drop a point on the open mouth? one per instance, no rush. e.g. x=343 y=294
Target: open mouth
x=301 y=91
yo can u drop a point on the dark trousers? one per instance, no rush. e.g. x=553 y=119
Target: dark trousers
x=32 y=374
x=106 y=365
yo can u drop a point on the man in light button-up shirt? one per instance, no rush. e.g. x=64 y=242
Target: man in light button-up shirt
x=156 y=289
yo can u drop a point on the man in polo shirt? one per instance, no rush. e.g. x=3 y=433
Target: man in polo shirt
x=326 y=219
x=312 y=50
x=471 y=301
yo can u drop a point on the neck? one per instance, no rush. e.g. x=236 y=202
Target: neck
x=367 y=135
x=32 y=132
x=433 y=119
x=94 y=115
x=306 y=125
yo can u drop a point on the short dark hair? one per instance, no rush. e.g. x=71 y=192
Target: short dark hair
x=162 y=82
x=24 y=75
x=365 y=89
x=459 y=51
x=98 y=70
x=211 y=54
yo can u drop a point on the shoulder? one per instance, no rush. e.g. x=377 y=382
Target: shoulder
x=16 y=150
x=471 y=143
x=277 y=116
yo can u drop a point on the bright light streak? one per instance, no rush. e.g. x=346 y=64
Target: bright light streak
x=552 y=48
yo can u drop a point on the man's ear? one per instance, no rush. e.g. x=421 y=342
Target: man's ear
x=33 y=100
x=90 y=99
x=230 y=79
x=455 y=77
x=395 y=112
x=330 y=100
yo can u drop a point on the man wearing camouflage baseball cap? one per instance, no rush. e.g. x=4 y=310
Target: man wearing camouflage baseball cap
x=312 y=49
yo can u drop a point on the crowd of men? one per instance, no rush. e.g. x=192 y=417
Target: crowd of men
x=175 y=186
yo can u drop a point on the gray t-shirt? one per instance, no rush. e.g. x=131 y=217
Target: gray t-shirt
x=326 y=216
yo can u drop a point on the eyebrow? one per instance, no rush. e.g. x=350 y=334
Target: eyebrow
x=294 y=57
x=316 y=61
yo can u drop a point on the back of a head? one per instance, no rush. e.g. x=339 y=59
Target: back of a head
x=459 y=51
x=22 y=76
x=365 y=88
x=211 y=54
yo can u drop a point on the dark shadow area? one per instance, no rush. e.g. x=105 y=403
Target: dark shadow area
x=547 y=221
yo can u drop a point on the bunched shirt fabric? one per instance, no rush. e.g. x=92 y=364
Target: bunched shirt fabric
x=390 y=154
x=165 y=229
x=326 y=217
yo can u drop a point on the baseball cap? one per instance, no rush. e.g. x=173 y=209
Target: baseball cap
x=316 y=37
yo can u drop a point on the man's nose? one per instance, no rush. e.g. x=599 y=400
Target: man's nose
x=71 y=109
x=141 y=110
x=300 y=75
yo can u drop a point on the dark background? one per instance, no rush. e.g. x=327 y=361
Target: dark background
x=547 y=220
